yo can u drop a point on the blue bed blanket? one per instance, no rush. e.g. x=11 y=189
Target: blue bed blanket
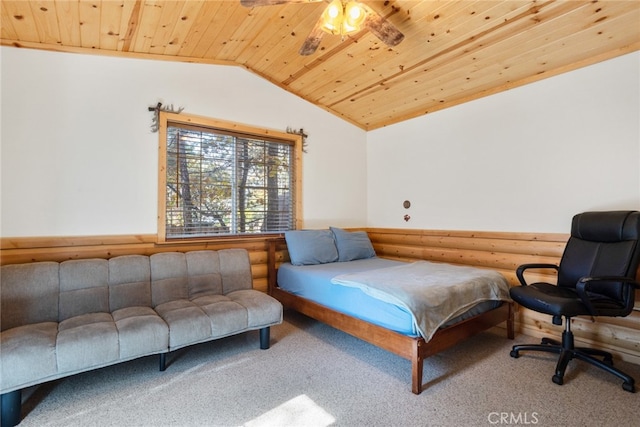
x=433 y=292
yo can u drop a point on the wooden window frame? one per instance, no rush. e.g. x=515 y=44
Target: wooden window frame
x=224 y=126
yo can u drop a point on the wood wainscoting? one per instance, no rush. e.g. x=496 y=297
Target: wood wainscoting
x=500 y=251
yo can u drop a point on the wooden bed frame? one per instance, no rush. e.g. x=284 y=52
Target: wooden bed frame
x=415 y=349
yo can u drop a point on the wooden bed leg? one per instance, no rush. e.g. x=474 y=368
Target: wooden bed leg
x=416 y=368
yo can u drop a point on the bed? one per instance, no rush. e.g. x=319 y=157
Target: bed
x=331 y=287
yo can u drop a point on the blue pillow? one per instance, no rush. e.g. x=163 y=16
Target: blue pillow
x=308 y=247
x=352 y=245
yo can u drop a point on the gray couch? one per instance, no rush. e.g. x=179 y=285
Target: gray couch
x=59 y=319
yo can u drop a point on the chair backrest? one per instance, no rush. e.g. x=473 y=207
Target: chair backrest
x=602 y=244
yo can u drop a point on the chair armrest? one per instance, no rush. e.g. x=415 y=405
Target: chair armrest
x=520 y=271
x=582 y=287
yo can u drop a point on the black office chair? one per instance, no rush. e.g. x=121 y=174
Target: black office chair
x=595 y=278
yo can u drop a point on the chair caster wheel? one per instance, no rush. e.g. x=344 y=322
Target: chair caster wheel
x=630 y=387
x=514 y=354
x=557 y=379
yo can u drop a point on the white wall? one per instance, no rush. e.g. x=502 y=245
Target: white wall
x=78 y=157
x=522 y=160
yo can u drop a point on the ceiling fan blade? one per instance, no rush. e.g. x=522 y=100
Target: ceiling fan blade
x=313 y=40
x=253 y=3
x=382 y=28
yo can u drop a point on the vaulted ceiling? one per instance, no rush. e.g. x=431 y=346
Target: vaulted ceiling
x=452 y=52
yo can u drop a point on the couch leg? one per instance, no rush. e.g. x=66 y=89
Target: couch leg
x=11 y=408
x=264 y=338
x=163 y=361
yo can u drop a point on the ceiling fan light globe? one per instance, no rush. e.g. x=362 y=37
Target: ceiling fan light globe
x=354 y=12
x=354 y=17
x=332 y=17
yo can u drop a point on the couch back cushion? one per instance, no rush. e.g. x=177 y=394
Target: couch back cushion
x=29 y=294
x=129 y=282
x=235 y=268
x=203 y=269
x=84 y=287
x=168 y=277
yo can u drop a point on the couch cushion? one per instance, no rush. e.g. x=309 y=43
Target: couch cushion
x=84 y=287
x=262 y=309
x=226 y=316
x=29 y=293
x=27 y=355
x=168 y=277
x=235 y=268
x=141 y=331
x=129 y=282
x=203 y=269
x=188 y=324
x=87 y=341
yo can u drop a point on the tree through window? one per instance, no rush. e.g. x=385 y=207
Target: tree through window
x=220 y=180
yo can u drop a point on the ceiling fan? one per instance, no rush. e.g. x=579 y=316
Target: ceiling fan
x=341 y=17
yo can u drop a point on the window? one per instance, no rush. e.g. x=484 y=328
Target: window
x=224 y=179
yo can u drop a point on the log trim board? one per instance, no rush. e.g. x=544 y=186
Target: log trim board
x=415 y=349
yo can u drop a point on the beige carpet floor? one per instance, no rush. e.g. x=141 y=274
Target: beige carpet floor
x=314 y=375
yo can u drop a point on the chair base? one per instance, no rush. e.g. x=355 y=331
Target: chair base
x=568 y=351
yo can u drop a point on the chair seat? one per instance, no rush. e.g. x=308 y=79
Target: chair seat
x=549 y=299
x=562 y=301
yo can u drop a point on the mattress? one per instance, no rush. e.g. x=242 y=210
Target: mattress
x=313 y=282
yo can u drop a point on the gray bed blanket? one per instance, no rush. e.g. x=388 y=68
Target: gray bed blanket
x=433 y=292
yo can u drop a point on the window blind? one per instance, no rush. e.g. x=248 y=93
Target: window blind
x=221 y=182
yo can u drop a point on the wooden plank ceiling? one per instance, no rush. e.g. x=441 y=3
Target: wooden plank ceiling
x=453 y=51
